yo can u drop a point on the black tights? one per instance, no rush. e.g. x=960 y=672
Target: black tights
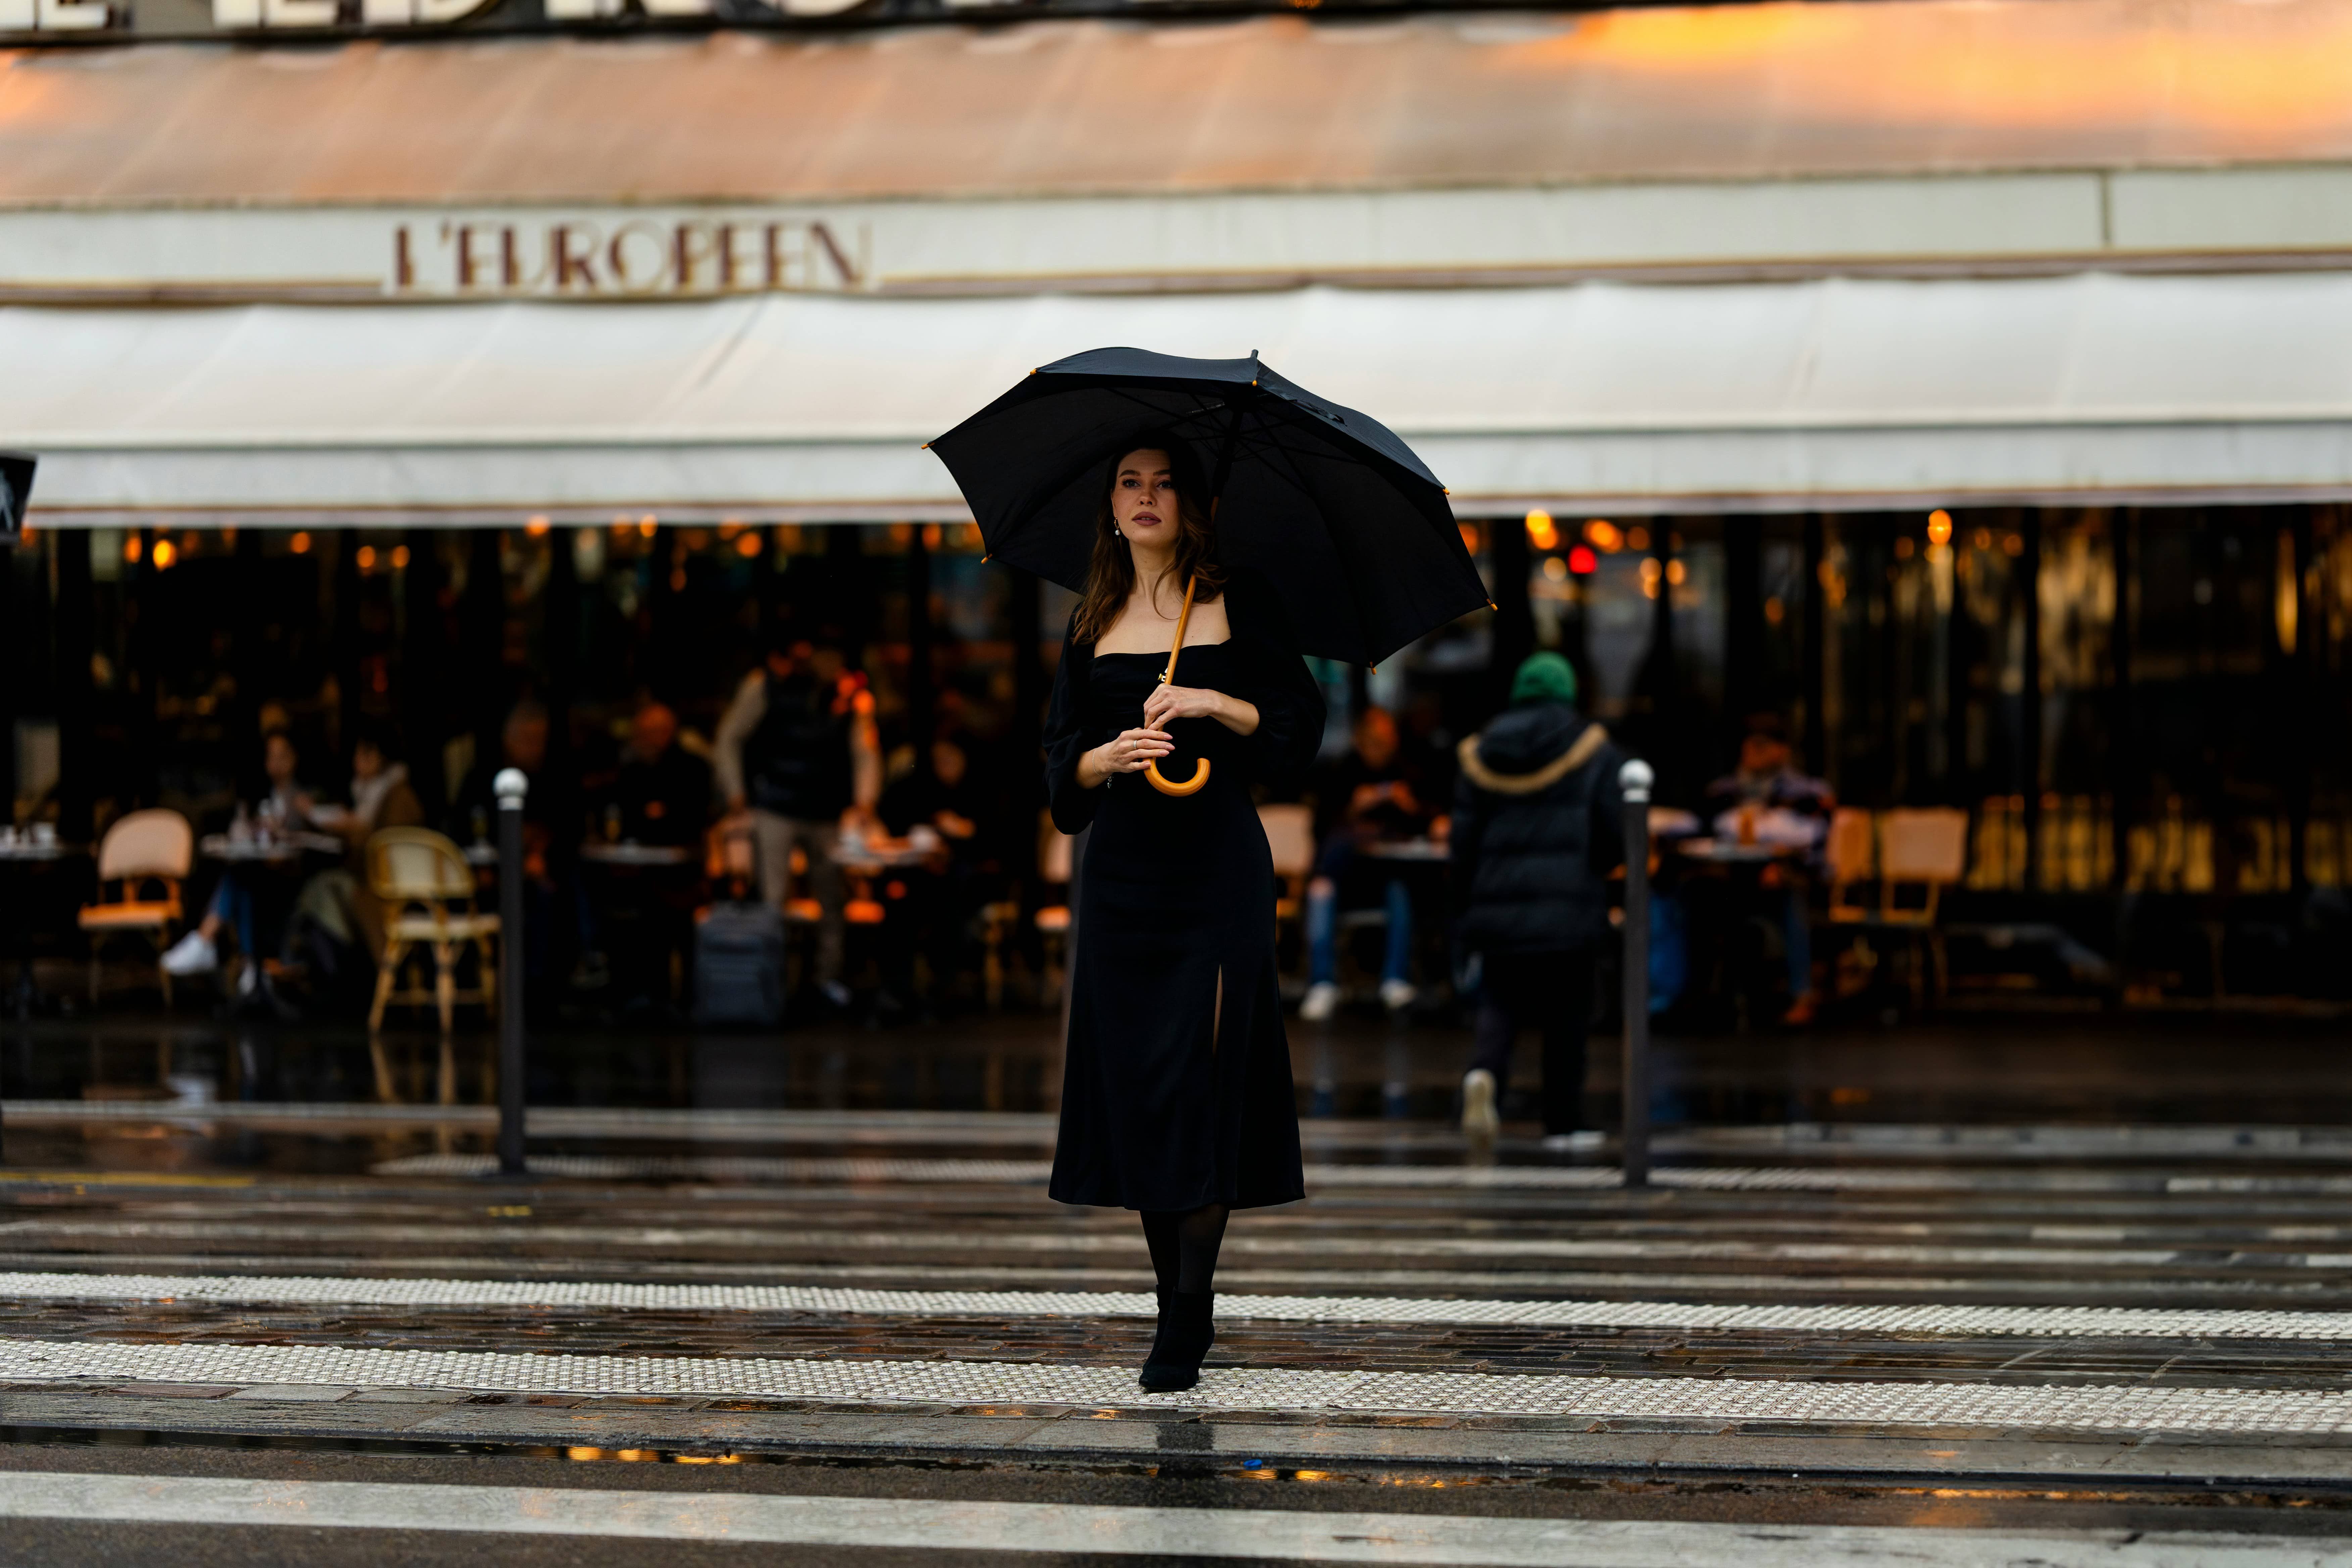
x=1184 y=1246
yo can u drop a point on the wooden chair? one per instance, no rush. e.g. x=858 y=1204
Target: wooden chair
x=1290 y=838
x=1921 y=851
x=428 y=890
x=1852 y=851
x=146 y=846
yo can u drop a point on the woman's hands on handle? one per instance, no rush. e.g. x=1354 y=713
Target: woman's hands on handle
x=1167 y=702
x=1130 y=751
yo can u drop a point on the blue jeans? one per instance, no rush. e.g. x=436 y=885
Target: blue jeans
x=1797 y=940
x=1323 y=933
x=233 y=902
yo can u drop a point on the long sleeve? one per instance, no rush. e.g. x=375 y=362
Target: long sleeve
x=1066 y=738
x=1290 y=709
x=743 y=715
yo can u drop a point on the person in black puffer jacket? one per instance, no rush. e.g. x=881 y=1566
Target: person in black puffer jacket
x=1537 y=830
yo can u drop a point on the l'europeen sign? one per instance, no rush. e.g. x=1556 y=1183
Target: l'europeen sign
x=591 y=258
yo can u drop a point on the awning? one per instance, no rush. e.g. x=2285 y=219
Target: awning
x=1047 y=108
x=1837 y=393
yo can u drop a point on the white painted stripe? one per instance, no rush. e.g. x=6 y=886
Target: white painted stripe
x=1326 y=1176
x=967 y=1527
x=1946 y=1320
x=1913 y=1141
x=2132 y=1407
x=1257 y=1246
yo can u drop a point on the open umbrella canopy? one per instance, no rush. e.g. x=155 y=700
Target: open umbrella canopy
x=1328 y=503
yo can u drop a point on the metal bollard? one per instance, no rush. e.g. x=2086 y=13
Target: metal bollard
x=510 y=787
x=1634 y=778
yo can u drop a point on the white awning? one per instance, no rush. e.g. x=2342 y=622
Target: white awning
x=1839 y=394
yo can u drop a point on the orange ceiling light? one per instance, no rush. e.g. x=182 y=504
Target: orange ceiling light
x=1542 y=533
x=1940 y=527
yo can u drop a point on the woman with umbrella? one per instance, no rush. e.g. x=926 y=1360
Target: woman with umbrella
x=1180 y=686
x=1177 y=1100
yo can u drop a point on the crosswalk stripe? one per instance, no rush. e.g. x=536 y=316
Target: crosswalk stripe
x=2133 y=1406
x=964 y=1527
x=1941 y=1320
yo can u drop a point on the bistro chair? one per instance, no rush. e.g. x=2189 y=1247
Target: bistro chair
x=1920 y=852
x=1290 y=840
x=428 y=890
x=1851 y=852
x=144 y=849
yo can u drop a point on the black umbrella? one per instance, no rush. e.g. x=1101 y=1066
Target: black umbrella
x=1348 y=525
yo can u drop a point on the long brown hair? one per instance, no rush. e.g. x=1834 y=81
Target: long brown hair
x=1110 y=575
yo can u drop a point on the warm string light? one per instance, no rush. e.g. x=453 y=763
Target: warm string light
x=1940 y=527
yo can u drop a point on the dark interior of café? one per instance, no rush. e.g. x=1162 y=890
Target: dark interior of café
x=2142 y=711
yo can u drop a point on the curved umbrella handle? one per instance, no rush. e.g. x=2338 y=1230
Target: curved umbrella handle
x=1161 y=781
x=1189 y=787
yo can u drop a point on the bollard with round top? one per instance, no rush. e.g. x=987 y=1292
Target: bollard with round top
x=510 y=787
x=1635 y=780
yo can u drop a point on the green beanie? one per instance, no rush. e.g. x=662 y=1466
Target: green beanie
x=1543 y=678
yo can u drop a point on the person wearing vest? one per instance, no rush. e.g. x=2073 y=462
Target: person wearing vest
x=797 y=749
x=1537 y=828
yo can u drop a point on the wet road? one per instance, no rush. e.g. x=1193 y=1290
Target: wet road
x=307 y=1330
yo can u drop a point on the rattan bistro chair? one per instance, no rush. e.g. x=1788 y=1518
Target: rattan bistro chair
x=428 y=890
x=143 y=848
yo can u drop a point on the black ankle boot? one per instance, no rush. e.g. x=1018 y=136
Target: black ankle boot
x=1187 y=1329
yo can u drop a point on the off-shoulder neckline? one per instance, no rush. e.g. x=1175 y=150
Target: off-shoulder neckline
x=1189 y=647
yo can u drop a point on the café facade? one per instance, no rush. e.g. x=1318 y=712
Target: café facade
x=1964 y=383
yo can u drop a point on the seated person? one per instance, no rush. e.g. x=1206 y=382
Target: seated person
x=1373 y=794
x=285 y=809
x=382 y=795
x=1766 y=799
x=661 y=793
x=643 y=916
x=941 y=810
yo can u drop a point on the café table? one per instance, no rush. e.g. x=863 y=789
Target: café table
x=630 y=854
x=1731 y=852
x=1424 y=849
x=277 y=850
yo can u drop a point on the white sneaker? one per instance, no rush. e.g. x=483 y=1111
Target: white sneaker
x=192 y=954
x=1479 y=1121
x=1396 y=996
x=1322 y=1001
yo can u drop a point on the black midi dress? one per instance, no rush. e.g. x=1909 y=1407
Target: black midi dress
x=1167 y=1105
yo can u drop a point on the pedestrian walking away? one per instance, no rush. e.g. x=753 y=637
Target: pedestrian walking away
x=1536 y=831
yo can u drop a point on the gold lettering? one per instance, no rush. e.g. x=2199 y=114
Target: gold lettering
x=571 y=267
x=616 y=257
x=778 y=261
x=510 y=261
x=403 y=263
x=732 y=265
x=840 y=262
x=470 y=266
x=692 y=245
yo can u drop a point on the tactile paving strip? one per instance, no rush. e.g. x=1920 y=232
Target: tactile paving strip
x=1906 y=1318
x=320 y=1368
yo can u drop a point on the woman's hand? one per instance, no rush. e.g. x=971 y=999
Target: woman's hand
x=1132 y=751
x=1167 y=702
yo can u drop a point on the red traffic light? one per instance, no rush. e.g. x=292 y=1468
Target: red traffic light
x=1582 y=562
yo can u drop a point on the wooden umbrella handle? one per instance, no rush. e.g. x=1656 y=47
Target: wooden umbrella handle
x=1167 y=677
